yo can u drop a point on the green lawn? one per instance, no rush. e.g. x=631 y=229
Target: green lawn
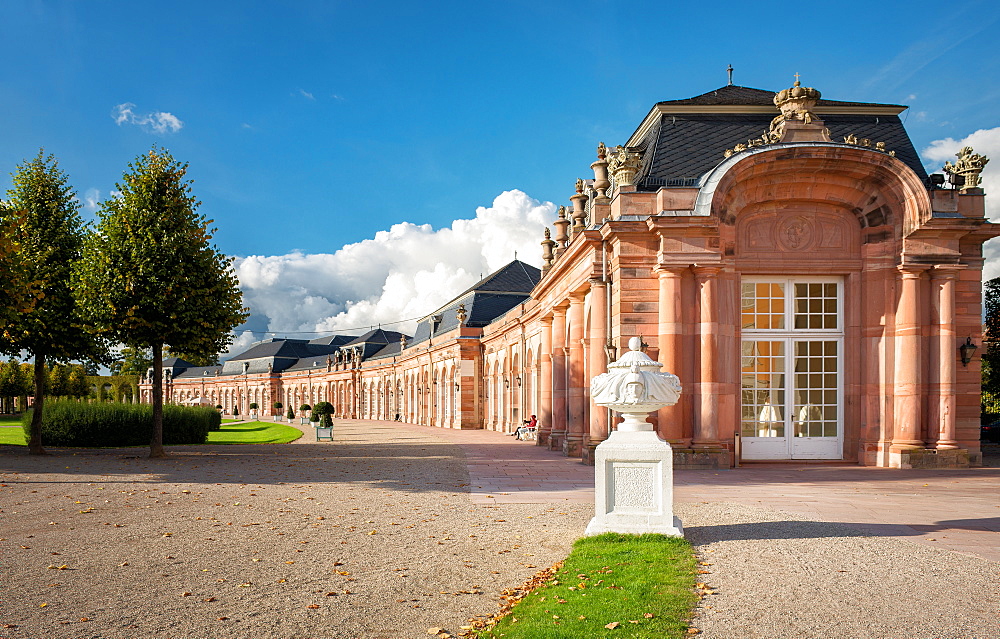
x=254 y=433
x=248 y=433
x=610 y=586
x=12 y=436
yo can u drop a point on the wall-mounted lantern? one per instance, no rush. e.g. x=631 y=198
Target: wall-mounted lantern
x=611 y=350
x=968 y=349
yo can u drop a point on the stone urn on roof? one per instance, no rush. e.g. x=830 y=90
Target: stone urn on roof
x=634 y=470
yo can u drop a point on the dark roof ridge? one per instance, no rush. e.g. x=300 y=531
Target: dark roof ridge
x=735 y=95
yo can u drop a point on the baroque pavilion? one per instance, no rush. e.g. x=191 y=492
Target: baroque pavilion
x=787 y=256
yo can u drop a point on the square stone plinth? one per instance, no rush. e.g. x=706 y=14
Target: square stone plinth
x=634 y=486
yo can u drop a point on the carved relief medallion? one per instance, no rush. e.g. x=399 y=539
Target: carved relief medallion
x=795 y=233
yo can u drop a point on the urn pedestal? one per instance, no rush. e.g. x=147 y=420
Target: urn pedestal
x=633 y=468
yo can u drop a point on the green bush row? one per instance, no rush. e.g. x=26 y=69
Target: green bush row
x=68 y=423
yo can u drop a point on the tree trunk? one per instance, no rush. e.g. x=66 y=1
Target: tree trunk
x=35 y=441
x=156 y=444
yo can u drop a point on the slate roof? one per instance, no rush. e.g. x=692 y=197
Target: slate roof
x=748 y=96
x=198 y=371
x=681 y=147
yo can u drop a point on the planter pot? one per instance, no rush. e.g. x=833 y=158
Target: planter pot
x=324 y=433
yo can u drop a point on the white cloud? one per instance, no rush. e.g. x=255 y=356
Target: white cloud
x=159 y=122
x=91 y=200
x=985 y=142
x=401 y=274
x=306 y=94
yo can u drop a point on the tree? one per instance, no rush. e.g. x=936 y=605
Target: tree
x=13 y=383
x=17 y=292
x=49 y=241
x=991 y=352
x=132 y=361
x=150 y=277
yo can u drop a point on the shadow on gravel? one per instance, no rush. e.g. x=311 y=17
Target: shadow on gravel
x=397 y=466
x=763 y=530
x=791 y=529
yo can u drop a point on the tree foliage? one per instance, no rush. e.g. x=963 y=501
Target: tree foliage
x=49 y=242
x=18 y=294
x=991 y=351
x=150 y=276
x=132 y=361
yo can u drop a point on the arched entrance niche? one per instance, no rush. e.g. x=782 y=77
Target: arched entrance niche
x=811 y=239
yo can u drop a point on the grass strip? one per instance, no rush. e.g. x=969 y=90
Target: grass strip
x=254 y=433
x=245 y=433
x=610 y=586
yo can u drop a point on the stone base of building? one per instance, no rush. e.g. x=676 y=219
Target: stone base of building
x=542 y=439
x=702 y=459
x=927 y=458
x=572 y=447
x=589 y=454
x=556 y=442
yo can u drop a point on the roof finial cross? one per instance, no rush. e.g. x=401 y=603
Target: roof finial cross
x=730 y=72
x=796 y=79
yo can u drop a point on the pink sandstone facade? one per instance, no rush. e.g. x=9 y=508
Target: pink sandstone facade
x=811 y=294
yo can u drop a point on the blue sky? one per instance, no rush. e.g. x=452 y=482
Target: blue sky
x=311 y=126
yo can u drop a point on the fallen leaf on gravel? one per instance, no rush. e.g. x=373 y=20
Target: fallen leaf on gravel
x=84 y=619
x=223 y=618
x=209 y=599
x=313 y=606
x=612 y=625
x=185 y=594
x=246 y=585
x=42 y=605
x=434 y=631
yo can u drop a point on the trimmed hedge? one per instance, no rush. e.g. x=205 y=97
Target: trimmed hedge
x=75 y=424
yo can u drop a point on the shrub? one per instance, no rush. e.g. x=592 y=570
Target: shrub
x=277 y=405
x=327 y=421
x=236 y=411
x=323 y=408
x=290 y=414
x=304 y=407
x=75 y=424
x=253 y=406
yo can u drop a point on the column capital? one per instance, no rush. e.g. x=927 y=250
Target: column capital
x=546 y=320
x=705 y=271
x=596 y=281
x=576 y=297
x=666 y=270
x=560 y=311
x=946 y=271
x=912 y=271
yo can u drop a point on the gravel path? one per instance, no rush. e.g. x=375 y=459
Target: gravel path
x=777 y=575
x=374 y=536
x=377 y=536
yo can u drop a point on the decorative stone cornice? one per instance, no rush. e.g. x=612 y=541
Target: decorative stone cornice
x=968 y=168
x=865 y=142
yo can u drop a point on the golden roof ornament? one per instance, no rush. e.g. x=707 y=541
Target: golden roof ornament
x=967 y=170
x=797 y=122
x=624 y=165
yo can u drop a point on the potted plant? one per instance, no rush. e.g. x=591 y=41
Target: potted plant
x=236 y=411
x=290 y=414
x=277 y=407
x=324 y=428
x=303 y=416
x=253 y=410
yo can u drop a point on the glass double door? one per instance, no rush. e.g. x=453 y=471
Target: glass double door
x=791 y=369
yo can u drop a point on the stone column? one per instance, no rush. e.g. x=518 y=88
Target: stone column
x=706 y=427
x=942 y=358
x=577 y=425
x=907 y=413
x=670 y=334
x=558 y=434
x=545 y=361
x=597 y=360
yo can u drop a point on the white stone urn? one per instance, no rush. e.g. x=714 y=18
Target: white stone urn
x=634 y=469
